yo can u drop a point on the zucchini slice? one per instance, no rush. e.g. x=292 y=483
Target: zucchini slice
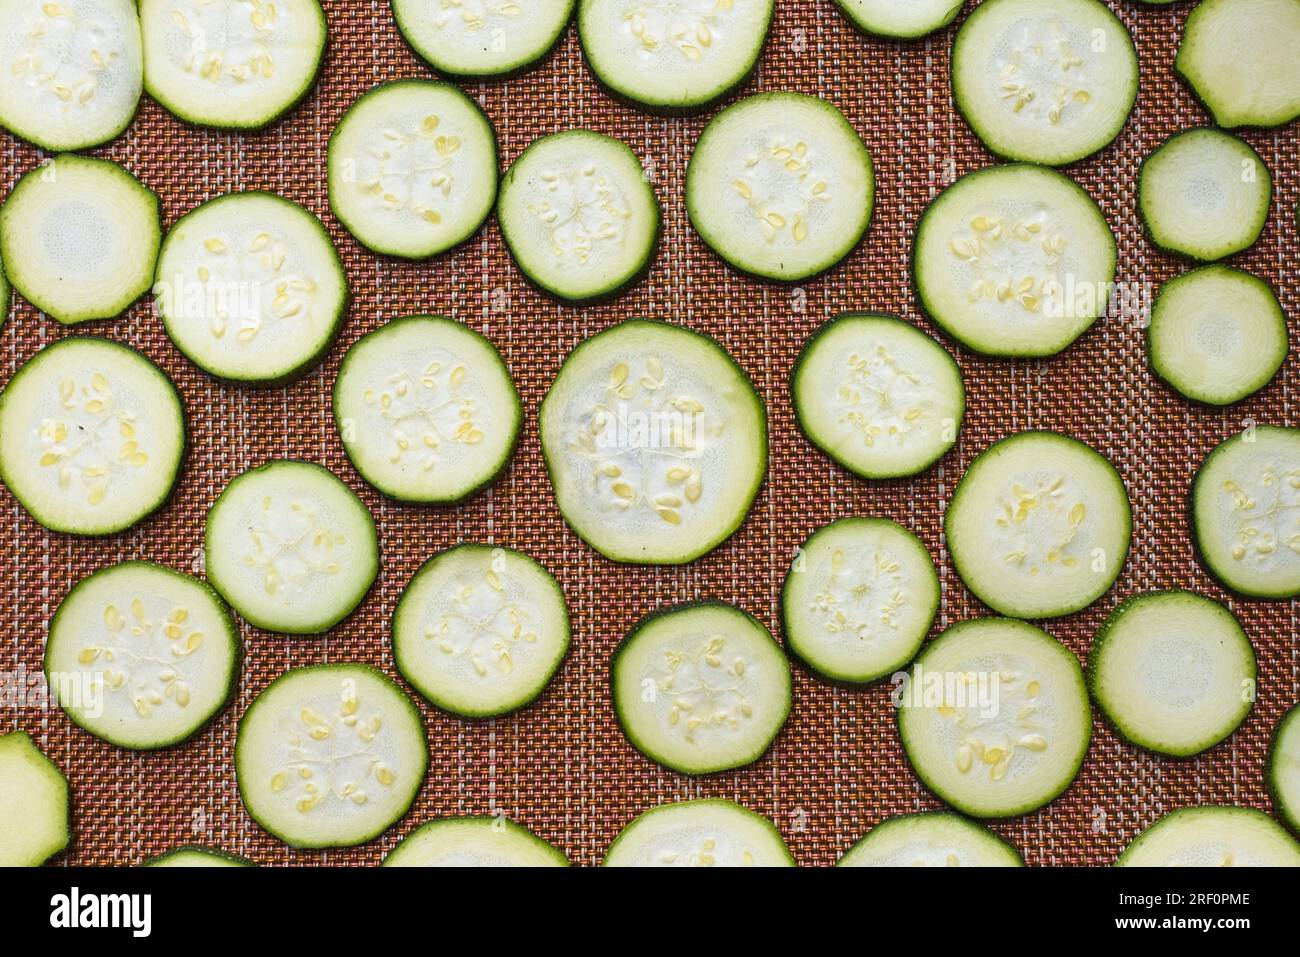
x=1217 y=334
x=877 y=395
x=142 y=656
x=701 y=687
x=859 y=599
x=578 y=215
x=197 y=857
x=291 y=547
x=426 y=409
x=705 y=833
x=232 y=64
x=1205 y=194
x=474 y=842
x=780 y=185
x=1284 y=769
x=908 y=20
x=1212 y=836
x=70 y=71
x=673 y=55
x=91 y=436
x=79 y=238
x=412 y=168
x=250 y=288
x=1014 y=260
x=330 y=755
x=995 y=717
x=480 y=631
x=1045 y=81
x=1239 y=58
x=1039 y=525
x=1245 y=501
x=655 y=442
x=34 y=816
x=1173 y=671
x=477 y=38
x=931 y=839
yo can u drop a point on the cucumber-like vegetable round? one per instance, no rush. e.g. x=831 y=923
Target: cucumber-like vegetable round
x=34 y=816
x=780 y=185
x=1045 y=81
x=859 y=599
x=878 y=395
x=1217 y=334
x=79 y=238
x=1212 y=836
x=900 y=21
x=480 y=631
x=197 y=857
x=578 y=214
x=291 y=547
x=705 y=833
x=701 y=687
x=91 y=436
x=1245 y=498
x=1204 y=193
x=1014 y=260
x=229 y=63
x=1039 y=525
x=931 y=839
x=330 y=755
x=1173 y=671
x=70 y=72
x=655 y=442
x=474 y=842
x=478 y=38
x=412 y=168
x=995 y=717
x=1283 y=773
x=1239 y=58
x=673 y=55
x=250 y=288
x=142 y=656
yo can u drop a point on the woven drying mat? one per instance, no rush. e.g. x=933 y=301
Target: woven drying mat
x=562 y=767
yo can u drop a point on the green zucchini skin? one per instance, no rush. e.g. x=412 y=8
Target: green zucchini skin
x=902 y=36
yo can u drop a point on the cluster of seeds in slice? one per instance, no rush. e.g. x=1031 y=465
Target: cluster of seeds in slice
x=427 y=412
x=586 y=208
x=145 y=635
x=291 y=558
x=247 y=54
x=998 y=251
x=460 y=632
x=1046 y=540
x=94 y=441
x=705 y=684
x=987 y=746
x=64 y=52
x=1043 y=74
x=1268 y=519
x=799 y=185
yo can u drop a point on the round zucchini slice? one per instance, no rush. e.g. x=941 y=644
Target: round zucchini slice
x=91 y=436
x=34 y=820
x=474 y=842
x=1212 y=836
x=1284 y=769
x=705 y=833
x=197 y=857
x=995 y=717
x=900 y=21
x=780 y=185
x=477 y=38
x=655 y=441
x=932 y=839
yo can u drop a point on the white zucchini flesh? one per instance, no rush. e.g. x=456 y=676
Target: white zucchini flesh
x=91 y=436
x=655 y=442
x=250 y=287
x=1212 y=837
x=33 y=804
x=578 y=214
x=1039 y=525
x=412 y=168
x=780 y=185
x=79 y=238
x=234 y=64
x=479 y=631
x=1245 y=508
x=995 y=717
x=480 y=37
x=1239 y=57
x=859 y=599
x=291 y=547
x=1045 y=81
x=933 y=839
x=474 y=842
x=1173 y=671
x=142 y=656
x=704 y=833
x=427 y=410
x=1217 y=334
x=71 y=71
x=1284 y=769
x=197 y=857
x=877 y=395
x=701 y=688
x=1014 y=260
x=905 y=20
x=673 y=54
x=1204 y=193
